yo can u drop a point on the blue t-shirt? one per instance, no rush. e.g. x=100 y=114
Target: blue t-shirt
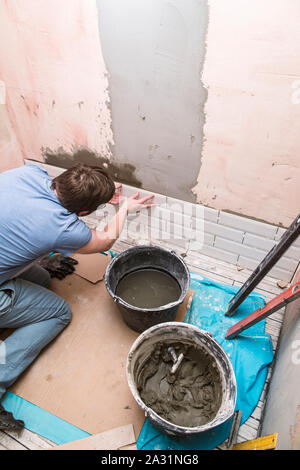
x=33 y=222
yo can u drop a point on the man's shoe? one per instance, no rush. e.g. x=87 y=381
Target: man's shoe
x=8 y=422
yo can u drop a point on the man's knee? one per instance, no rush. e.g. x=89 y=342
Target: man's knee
x=64 y=312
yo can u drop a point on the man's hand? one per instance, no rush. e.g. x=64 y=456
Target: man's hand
x=103 y=240
x=135 y=205
x=117 y=197
x=58 y=266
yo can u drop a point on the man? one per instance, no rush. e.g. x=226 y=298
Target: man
x=39 y=216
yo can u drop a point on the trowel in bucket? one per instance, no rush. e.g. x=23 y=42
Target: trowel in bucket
x=176 y=360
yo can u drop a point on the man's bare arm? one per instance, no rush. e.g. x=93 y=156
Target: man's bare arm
x=104 y=240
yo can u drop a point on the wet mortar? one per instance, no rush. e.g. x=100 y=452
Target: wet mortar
x=192 y=396
x=122 y=172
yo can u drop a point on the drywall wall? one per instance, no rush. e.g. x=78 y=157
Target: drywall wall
x=251 y=156
x=154 y=52
x=55 y=80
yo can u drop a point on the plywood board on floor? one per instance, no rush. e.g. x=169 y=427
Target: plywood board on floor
x=92 y=267
x=113 y=439
x=81 y=376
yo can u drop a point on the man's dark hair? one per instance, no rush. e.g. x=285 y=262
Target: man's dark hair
x=83 y=188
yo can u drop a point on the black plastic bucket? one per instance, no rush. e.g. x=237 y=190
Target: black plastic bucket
x=184 y=333
x=146 y=257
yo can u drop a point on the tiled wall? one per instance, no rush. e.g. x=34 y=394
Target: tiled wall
x=192 y=227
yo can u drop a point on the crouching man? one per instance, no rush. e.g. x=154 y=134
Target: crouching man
x=39 y=216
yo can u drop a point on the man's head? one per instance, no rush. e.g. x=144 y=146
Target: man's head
x=83 y=188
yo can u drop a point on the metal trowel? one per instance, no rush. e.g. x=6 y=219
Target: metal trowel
x=176 y=360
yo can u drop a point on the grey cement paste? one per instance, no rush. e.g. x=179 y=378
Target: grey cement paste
x=148 y=288
x=192 y=396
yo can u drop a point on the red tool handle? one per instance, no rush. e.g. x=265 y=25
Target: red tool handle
x=281 y=300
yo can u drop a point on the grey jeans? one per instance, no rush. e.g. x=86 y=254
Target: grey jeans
x=38 y=315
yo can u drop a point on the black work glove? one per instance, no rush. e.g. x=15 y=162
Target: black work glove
x=8 y=422
x=58 y=266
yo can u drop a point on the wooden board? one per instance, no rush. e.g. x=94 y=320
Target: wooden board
x=184 y=307
x=113 y=439
x=81 y=376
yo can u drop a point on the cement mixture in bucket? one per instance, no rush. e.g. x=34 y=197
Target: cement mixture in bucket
x=191 y=396
x=148 y=288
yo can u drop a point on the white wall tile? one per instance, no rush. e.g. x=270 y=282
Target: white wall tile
x=247 y=225
x=195 y=210
x=31 y=162
x=216 y=253
x=223 y=231
x=276 y=272
x=53 y=171
x=254 y=253
x=201 y=239
x=293 y=252
x=128 y=191
x=211 y=214
x=280 y=274
x=165 y=215
x=258 y=242
x=205 y=213
x=177 y=204
x=297 y=242
x=240 y=249
x=287 y=263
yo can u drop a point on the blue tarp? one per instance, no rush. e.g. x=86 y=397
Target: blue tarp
x=250 y=353
x=41 y=421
